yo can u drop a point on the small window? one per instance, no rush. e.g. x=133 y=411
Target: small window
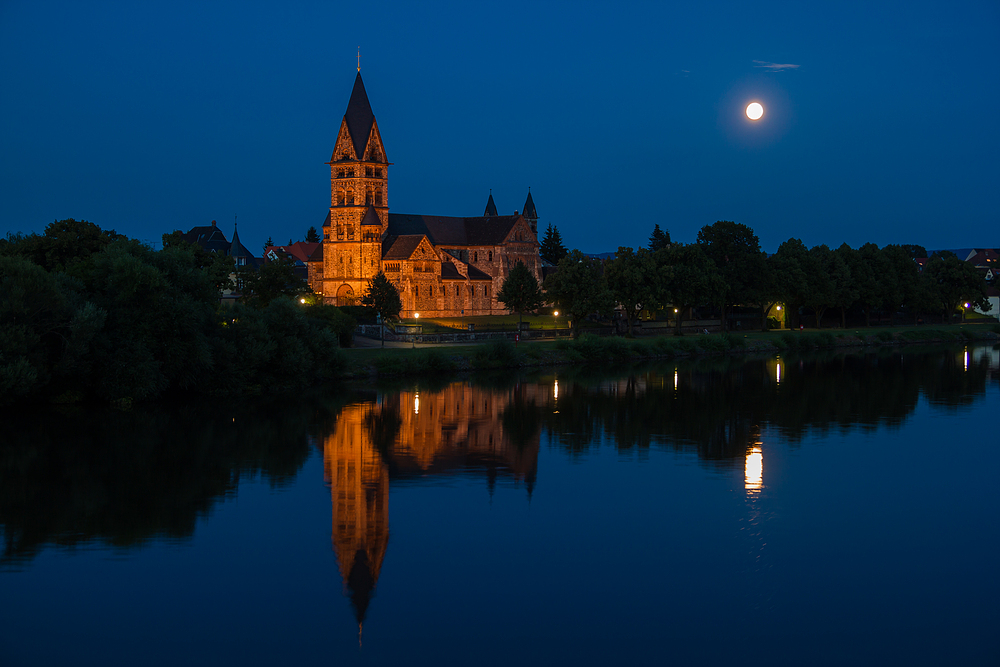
x=475 y=257
x=416 y=290
x=491 y=255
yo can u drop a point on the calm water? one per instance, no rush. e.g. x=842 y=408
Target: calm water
x=811 y=510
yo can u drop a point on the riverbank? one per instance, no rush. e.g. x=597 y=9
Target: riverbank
x=503 y=353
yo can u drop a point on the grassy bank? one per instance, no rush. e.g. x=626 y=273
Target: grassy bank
x=392 y=362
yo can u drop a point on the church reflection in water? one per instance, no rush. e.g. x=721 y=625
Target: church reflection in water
x=409 y=435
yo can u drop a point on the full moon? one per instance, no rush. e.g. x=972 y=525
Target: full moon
x=754 y=111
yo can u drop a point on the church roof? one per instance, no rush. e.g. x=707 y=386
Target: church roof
x=491 y=208
x=359 y=117
x=400 y=247
x=529 y=207
x=450 y=272
x=476 y=274
x=442 y=230
x=371 y=217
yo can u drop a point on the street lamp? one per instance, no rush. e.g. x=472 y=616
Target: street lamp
x=555 y=322
x=302 y=301
x=416 y=316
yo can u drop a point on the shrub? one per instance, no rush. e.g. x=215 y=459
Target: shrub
x=824 y=339
x=435 y=361
x=497 y=353
x=884 y=336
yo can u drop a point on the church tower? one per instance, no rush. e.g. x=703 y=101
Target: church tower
x=359 y=203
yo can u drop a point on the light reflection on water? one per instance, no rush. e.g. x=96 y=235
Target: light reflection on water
x=685 y=516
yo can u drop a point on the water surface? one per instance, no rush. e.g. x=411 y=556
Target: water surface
x=824 y=509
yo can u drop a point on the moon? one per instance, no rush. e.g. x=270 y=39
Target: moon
x=754 y=111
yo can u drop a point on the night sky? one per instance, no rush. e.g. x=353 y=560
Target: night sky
x=880 y=122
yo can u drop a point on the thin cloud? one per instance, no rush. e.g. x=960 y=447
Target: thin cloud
x=774 y=67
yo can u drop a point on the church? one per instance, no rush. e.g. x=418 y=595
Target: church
x=442 y=266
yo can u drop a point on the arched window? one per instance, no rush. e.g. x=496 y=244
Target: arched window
x=350 y=196
x=491 y=255
x=340 y=196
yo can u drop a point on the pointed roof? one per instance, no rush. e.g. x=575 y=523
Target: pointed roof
x=359 y=117
x=529 y=207
x=491 y=208
x=441 y=230
x=371 y=217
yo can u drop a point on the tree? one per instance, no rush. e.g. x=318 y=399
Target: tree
x=312 y=236
x=520 y=291
x=659 y=239
x=578 y=288
x=268 y=243
x=687 y=278
x=899 y=279
x=383 y=297
x=631 y=277
x=220 y=268
x=845 y=291
x=792 y=283
x=867 y=265
x=915 y=251
x=821 y=292
x=272 y=280
x=957 y=282
x=552 y=249
x=735 y=250
x=62 y=244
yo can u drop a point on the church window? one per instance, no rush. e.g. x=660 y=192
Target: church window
x=378 y=172
x=350 y=173
x=475 y=257
x=340 y=197
x=368 y=197
x=341 y=259
x=416 y=290
x=491 y=255
x=486 y=290
x=350 y=196
x=378 y=197
x=456 y=290
x=368 y=172
x=340 y=173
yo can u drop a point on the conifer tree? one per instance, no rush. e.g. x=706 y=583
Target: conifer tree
x=520 y=292
x=658 y=239
x=552 y=249
x=312 y=236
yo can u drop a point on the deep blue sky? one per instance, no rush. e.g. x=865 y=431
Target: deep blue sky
x=148 y=118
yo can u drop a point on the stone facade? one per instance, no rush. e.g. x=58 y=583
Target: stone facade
x=442 y=266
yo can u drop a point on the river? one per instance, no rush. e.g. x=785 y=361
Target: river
x=824 y=509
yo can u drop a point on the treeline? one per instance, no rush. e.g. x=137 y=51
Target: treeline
x=87 y=313
x=726 y=267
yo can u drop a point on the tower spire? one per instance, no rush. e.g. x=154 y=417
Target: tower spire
x=359 y=58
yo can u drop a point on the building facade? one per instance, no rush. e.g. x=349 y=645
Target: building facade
x=442 y=266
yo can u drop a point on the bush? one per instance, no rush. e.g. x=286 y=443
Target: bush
x=436 y=361
x=496 y=354
x=773 y=323
x=824 y=339
x=884 y=336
